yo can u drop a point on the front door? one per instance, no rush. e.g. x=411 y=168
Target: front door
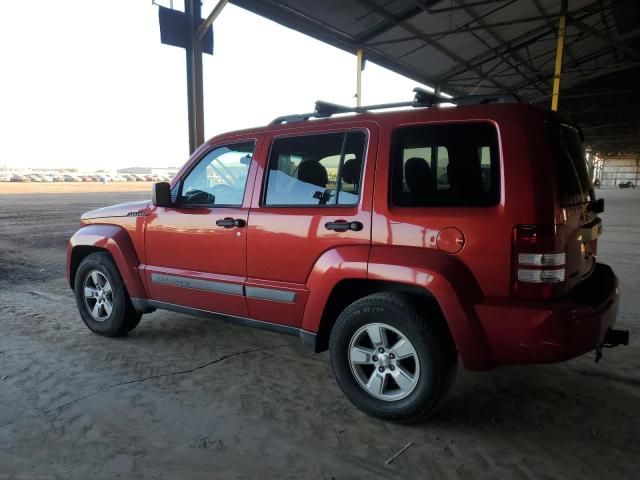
x=196 y=250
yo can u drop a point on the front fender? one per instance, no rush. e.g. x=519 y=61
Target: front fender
x=451 y=284
x=117 y=242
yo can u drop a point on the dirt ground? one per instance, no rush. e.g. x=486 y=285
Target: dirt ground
x=191 y=398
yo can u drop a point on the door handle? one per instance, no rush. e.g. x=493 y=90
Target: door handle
x=343 y=226
x=231 y=222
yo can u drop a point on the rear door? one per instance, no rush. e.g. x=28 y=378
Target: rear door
x=578 y=227
x=315 y=195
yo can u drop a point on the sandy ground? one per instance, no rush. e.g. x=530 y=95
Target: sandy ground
x=190 y=398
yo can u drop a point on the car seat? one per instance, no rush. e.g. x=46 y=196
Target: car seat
x=419 y=179
x=311 y=171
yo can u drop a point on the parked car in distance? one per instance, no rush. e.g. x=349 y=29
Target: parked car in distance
x=279 y=228
x=628 y=184
x=5 y=177
x=20 y=178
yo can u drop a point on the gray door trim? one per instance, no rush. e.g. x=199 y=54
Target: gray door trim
x=270 y=294
x=197 y=284
x=262 y=293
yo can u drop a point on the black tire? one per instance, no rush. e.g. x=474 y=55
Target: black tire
x=432 y=346
x=123 y=316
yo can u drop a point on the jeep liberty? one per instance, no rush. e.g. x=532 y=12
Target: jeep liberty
x=401 y=241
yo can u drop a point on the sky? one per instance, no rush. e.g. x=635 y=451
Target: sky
x=87 y=84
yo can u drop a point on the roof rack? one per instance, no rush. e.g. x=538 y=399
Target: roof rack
x=422 y=99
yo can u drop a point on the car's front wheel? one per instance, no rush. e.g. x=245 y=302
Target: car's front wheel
x=102 y=298
x=389 y=360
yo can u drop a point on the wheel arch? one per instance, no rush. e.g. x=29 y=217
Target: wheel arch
x=116 y=242
x=350 y=290
x=78 y=254
x=432 y=279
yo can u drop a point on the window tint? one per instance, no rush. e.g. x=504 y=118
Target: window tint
x=219 y=178
x=321 y=169
x=441 y=165
x=573 y=179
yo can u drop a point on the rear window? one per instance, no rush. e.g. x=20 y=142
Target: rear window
x=573 y=178
x=445 y=165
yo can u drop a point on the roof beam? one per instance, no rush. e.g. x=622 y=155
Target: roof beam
x=297 y=20
x=551 y=54
x=388 y=24
x=498 y=38
x=573 y=21
x=554 y=30
x=430 y=41
x=293 y=18
x=586 y=58
x=515 y=44
x=467 y=28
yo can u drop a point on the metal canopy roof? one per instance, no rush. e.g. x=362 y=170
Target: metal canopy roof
x=466 y=47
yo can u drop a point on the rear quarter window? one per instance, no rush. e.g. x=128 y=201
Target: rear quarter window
x=445 y=165
x=572 y=175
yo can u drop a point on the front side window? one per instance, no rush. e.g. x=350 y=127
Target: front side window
x=445 y=165
x=323 y=169
x=219 y=178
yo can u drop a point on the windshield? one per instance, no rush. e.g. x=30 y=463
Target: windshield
x=573 y=178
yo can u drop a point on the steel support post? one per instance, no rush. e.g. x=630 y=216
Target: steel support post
x=558 y=70
x=195 y=108
x=359 y=78
x=195 y=82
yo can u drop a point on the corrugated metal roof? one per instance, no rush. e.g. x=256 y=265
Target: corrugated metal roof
x=492 y=46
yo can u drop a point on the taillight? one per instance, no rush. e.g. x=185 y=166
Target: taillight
x=538 y=267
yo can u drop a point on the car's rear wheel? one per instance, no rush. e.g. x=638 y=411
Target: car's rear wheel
x=102 y=298
x=390 y=361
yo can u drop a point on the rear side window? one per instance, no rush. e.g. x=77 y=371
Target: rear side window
x=573 y=178
x=445 y=165
x=323 y=169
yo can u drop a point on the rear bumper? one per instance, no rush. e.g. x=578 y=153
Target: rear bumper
x=527 y=332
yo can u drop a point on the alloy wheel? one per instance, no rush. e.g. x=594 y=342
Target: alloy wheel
x=98 y=295
x=384 y=362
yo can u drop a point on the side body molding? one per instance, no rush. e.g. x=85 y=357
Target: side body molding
x=450 y=283
x=117 y=242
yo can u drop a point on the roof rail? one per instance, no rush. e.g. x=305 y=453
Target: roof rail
x=422 y=98
x=484 y=99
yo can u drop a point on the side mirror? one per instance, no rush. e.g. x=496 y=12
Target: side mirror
x=161 y=194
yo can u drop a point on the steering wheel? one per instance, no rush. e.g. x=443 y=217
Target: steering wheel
x=199 y=197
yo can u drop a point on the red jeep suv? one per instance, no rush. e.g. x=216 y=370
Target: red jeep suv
x=399 y=240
